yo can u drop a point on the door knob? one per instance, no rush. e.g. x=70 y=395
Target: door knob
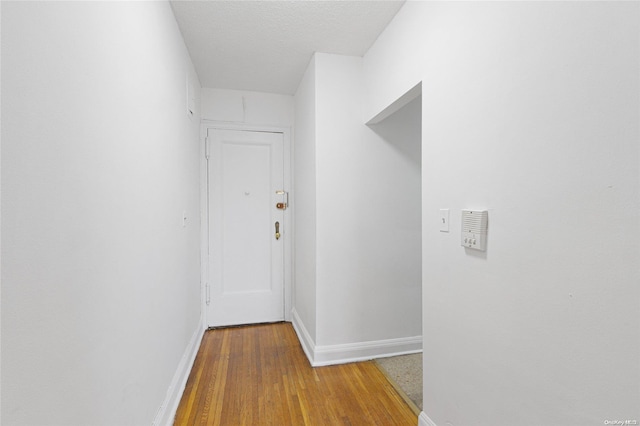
x=277 y=230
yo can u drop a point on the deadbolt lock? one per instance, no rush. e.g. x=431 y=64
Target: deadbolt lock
x=283 y=205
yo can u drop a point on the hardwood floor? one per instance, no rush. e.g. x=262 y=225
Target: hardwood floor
x=258 y=375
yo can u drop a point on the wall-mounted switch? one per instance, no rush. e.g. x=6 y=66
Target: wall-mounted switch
x=444 y=220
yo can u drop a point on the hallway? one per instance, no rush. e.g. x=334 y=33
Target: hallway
x=527 y=111
x=258 y=375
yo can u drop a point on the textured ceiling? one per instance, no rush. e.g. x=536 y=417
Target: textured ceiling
x=266 y=45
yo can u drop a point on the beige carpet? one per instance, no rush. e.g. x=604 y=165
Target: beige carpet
x=406 y=372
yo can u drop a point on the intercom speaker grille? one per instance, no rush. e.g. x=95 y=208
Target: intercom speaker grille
x=474 y=229
x=474 y=221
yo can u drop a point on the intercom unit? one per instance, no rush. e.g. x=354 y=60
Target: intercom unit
x=474 y=229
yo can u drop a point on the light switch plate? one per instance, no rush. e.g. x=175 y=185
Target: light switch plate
x=444 y=220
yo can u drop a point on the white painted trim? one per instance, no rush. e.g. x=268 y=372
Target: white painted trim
x=288 y=236
x=424 y=420
x=308 y=346
x=204 y=228
x=363 y=351
x=222 y=125
x=351 y=352
x=167 y=412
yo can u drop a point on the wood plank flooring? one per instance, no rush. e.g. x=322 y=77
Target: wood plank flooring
x=258 y=375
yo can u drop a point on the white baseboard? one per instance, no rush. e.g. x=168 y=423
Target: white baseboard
x=424 y=420
x=167 y=412
x=308 y=346
x=363 y=351
x=351 y=352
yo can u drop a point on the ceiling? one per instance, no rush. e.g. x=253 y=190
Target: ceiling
x=266 y=46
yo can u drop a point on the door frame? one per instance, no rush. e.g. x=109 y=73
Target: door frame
x=205 y=276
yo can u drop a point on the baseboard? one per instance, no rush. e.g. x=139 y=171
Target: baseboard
x=351 y=352
x=167 y=412
x=363 y=351
x=424 y=420
x=308 y=346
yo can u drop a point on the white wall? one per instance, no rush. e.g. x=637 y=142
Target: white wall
x=304 y=197
x=246 y=107
x=100 y=280
x=368 y=210
x=530 y=110
x=0 y=220
x=367 y=217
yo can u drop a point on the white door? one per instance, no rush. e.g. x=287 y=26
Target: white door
x=246 y=248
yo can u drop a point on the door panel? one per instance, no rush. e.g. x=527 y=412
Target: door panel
x=246 y=259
